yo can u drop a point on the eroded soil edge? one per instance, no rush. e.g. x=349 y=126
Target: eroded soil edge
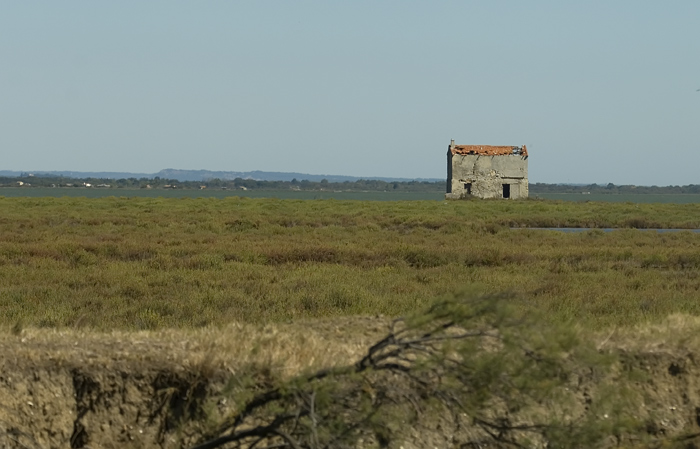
x=150 y=391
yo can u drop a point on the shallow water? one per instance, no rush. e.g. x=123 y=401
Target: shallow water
x=610 y=229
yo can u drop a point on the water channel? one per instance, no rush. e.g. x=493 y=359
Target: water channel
x=610 y=229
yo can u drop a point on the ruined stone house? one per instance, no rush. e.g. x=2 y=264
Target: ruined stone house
x=486 y=171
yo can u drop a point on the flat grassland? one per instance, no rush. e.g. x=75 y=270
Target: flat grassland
x=154 y=263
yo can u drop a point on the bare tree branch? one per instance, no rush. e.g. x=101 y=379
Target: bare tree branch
x=467 y=356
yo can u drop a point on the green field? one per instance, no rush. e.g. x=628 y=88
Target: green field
x=142 y=263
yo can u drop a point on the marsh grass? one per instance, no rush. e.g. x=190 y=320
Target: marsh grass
x=148 y=264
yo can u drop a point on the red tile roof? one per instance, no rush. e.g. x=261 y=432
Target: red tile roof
x=488 y=150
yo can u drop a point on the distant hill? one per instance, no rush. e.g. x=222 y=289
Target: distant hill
x=204 y=175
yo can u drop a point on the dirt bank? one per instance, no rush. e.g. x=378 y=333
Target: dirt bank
x=61 y=389
x=146 y=390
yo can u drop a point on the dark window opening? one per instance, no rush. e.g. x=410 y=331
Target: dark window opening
x=506 y=190
x=468 y=188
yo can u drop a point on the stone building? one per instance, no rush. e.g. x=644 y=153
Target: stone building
x=486 y=171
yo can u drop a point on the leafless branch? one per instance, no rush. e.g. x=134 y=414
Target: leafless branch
x=419 y=353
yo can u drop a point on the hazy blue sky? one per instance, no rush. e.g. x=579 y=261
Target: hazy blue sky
x=599 y=91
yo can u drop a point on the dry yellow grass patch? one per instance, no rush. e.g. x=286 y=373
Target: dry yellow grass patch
x=278 y=349
x=676 y=333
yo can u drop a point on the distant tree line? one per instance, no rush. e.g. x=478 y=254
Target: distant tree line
x=611 y=188
x=323 y=185
x=238 y=183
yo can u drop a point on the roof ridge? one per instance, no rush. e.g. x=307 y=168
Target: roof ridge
x=488 y=150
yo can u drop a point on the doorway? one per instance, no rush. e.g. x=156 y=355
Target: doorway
x=506 y=190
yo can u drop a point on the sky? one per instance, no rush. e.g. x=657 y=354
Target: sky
x=599 y=91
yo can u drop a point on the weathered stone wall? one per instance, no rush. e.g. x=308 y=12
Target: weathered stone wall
x=487 y=175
